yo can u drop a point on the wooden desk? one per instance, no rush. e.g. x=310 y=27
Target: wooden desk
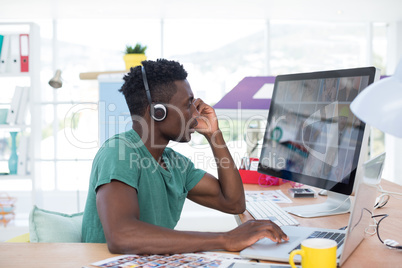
x=52 y=255
x=371 y=253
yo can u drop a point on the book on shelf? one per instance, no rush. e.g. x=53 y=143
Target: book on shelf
x=4 y=54
x=14 y=64
x=1 y=42
x=19 y=106
x=24 y=52
x=23 y=107
x=15 y=102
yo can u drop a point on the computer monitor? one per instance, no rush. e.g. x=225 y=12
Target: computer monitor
x=313 y=138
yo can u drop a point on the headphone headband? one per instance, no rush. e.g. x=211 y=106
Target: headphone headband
x=158 y=111
x=145 y=80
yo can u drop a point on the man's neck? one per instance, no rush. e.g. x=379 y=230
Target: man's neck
x=155 y=144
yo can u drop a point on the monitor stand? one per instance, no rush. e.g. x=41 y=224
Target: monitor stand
x=335 y=204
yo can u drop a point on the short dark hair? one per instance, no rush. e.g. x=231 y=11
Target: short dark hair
x=161 y=75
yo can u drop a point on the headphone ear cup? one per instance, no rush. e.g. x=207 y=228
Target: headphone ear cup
x=159 y=112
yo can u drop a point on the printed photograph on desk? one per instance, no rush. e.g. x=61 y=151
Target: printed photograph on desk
x=276 y=196
x=190 y=260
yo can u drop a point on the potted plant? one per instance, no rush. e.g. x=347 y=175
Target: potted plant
x=134 y=55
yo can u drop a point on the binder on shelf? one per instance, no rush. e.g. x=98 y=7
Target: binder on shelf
x=14 y=61
x=1 y=42
x=15 y=102
x=23 y=156
x=23 y=107
x=24 y=52
x=4 y=54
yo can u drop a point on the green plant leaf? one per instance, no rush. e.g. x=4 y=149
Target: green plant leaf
x=137 y=49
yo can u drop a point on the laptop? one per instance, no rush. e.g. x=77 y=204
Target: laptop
x=348 y=239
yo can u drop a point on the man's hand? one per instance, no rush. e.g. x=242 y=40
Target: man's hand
x=251 y=231
x=225 y=193
x=206 y=118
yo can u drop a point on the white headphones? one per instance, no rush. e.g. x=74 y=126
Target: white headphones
x=158 y=111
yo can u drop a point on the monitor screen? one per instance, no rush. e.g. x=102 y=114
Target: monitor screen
x=312 y=137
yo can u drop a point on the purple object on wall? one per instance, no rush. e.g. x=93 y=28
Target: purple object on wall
x=243 y=93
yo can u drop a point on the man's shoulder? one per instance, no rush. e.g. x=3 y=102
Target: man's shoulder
x=129 y=139
x=121 y=146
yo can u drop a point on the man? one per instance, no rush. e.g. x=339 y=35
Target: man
x=138 y=185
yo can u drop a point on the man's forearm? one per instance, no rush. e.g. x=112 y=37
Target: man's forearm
x=228 y=174
x=144 y=238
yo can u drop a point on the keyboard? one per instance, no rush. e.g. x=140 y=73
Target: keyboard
x=269 y=210
x=338 y=237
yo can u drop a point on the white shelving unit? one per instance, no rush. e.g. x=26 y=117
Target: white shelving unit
x=24 y=185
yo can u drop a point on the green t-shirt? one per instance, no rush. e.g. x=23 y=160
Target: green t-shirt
x=161 y=193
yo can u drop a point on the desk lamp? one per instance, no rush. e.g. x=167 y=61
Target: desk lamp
x=56 y=82
x=380 y=104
